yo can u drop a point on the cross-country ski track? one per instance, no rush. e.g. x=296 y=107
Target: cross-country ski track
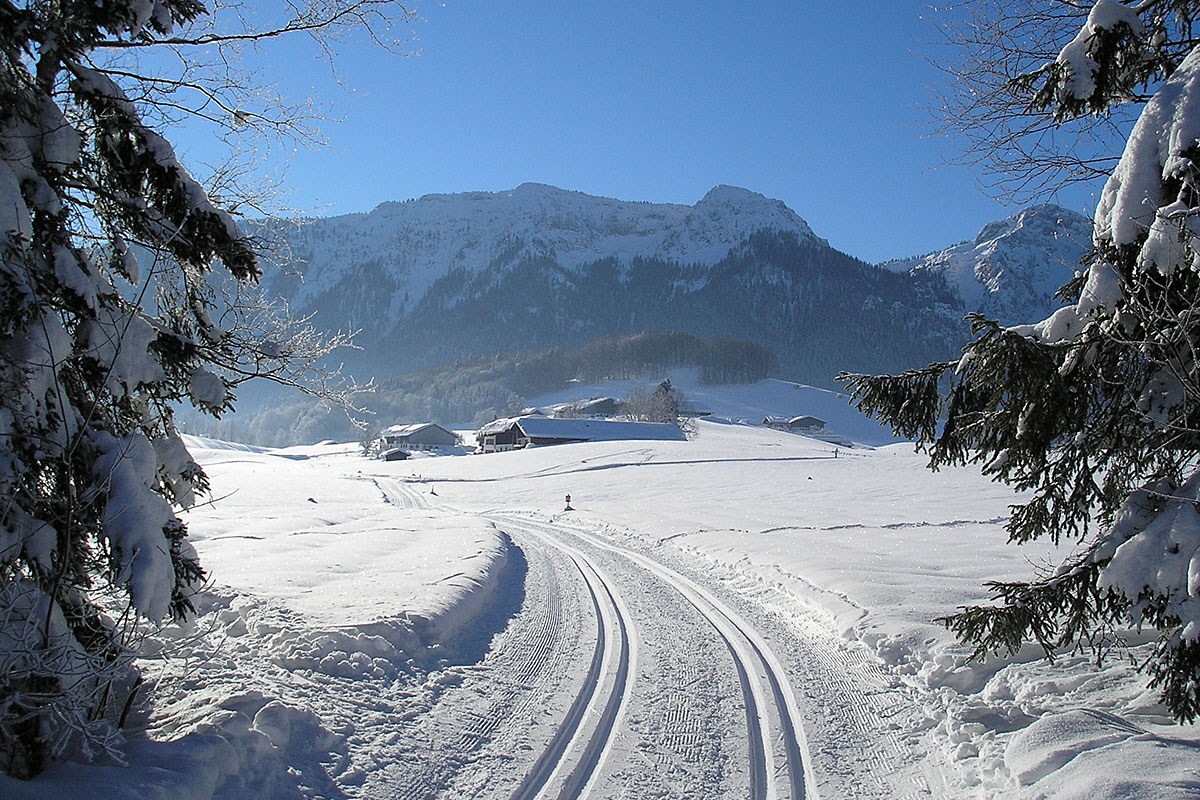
x=569 y=764
x=692 y=697
x=765 y=730
x=776 y=762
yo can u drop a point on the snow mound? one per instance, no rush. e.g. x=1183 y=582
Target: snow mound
x=245 y=744
x=1069 y=756
x=196 y=443
x=344 y=550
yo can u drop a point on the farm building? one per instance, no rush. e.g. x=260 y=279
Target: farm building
x=501 y=435
x=801 y=424
x=596 y=407
x=418 y=436
x=518 y=432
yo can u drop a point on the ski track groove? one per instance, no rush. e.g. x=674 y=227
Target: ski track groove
x=737 y=636
x=593 y=753
x=530 y=670
x=854 y=675
x=566 y=737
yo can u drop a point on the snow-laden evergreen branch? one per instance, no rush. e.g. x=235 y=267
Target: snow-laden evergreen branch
x=99 y=340
x=1096 y=409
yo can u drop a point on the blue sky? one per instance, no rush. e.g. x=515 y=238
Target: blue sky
x=819 y=104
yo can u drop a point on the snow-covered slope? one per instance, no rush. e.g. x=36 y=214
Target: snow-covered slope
x=321 y=663
x=1011 y=270
x=747 y=402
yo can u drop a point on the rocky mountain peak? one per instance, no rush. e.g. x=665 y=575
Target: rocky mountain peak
x=751 y=211
x=1013 y=267
x=1040 y=220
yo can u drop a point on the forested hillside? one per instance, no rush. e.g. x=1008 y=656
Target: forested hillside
x=477 y=390
x=819 y=310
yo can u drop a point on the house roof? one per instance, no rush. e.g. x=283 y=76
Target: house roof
x=411 y=428
x=597 y=430
x=596 y=402
x=804 y=419
x=497 y=426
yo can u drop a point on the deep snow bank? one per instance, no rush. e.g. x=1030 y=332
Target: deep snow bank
x=305 y=527
x=1070 y=756
x=326 y=585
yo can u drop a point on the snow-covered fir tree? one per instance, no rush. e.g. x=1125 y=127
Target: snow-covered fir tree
x=1095 y=410
x=97 y=344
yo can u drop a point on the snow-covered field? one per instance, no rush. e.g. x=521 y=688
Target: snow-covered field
x=741 y=615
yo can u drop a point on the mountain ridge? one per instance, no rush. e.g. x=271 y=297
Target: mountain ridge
x=429 y=236
x=445 y=276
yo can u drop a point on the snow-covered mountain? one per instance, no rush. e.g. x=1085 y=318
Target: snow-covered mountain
x=447 y=276
x=404 y=248
x=1012 y=269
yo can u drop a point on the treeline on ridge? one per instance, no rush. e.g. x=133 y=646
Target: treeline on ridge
x=480 y=389
x=720 y=360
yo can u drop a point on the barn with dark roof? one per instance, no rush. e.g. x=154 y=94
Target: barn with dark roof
x=518 y=432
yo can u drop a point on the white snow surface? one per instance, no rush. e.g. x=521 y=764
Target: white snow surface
x=1133 y=200
x=336 y=633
